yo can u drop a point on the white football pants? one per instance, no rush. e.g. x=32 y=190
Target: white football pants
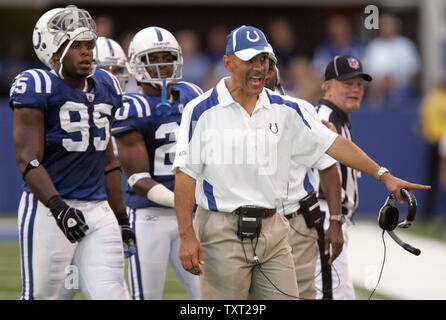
x=157 y=244
x=341 y=282
x=50 y=262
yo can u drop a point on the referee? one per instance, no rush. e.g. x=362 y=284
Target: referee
x=344 y=88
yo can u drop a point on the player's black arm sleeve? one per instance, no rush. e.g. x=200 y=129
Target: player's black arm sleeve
x=29 y=140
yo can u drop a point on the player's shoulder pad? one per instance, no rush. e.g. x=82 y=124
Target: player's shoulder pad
x=201 y=103
x=108 y=79
x=188 y=87
x=33 y=81
x=134 y=105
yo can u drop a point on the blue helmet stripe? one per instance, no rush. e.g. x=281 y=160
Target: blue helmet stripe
x=112 y=52
x=159 y=34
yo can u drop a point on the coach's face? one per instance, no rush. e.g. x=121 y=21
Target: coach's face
x=247 y=77
x=346 y=94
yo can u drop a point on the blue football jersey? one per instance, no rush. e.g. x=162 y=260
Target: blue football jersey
x=77 y=125
x=139 y=112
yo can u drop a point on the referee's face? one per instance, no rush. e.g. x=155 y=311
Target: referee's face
x=346 y=94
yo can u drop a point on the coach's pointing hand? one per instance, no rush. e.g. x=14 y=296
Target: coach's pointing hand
x=394 y=185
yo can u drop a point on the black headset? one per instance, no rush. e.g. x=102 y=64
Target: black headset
x=389 y=215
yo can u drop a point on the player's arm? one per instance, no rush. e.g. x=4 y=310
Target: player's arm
x=331 y=186
x=354 y=157
x=115 y=198
x=28 y=138
x=132 y=152
x=190 y=248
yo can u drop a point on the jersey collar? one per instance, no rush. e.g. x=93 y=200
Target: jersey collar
x=338 y=111
x=225 y=98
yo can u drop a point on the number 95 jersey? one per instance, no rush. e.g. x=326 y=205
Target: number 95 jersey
x=77 y=128
x=139 y=112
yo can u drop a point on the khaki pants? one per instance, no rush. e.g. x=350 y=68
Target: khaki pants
x=303 y=242
x=230 y=271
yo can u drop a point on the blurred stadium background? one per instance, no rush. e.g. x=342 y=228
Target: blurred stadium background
x=390 y=126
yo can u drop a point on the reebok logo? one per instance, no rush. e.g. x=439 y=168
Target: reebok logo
x=71 y=223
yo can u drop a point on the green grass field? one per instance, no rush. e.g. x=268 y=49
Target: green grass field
x=10 y=278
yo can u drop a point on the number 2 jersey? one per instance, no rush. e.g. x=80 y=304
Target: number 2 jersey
x=77 y=128
x=140 y=112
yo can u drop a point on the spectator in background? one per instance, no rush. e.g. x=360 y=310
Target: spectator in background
x=196 y=66
x=339 y=42
x=442 y=151
x=393 y=61
x=303 y=81
x=14 y=61
x=105 y=26
x=283 y=40
x=433 y=123
x=216 y=43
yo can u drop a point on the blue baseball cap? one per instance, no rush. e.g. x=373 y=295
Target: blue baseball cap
x=246 y=42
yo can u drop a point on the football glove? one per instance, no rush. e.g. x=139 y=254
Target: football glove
x=128 y=236
x=70 y=220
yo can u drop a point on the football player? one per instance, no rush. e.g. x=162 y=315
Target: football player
x=110 y=56
x=61 y=133
x=145 y=131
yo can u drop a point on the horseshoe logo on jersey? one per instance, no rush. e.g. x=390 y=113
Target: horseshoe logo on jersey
x=271 y=127
x=257 y=38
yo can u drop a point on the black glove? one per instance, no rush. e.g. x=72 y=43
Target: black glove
x=128 y=236
x=70 y=220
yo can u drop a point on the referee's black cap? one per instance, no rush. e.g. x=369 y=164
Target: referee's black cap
x=344 y=68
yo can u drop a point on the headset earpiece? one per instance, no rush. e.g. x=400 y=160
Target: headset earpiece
x=388 y=217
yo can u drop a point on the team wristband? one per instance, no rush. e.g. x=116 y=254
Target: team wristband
x=134 y=178
x=33 y=164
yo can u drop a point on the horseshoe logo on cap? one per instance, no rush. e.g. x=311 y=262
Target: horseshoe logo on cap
x=251 y=39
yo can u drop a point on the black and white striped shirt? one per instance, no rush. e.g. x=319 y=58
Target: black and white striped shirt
x=332 y=113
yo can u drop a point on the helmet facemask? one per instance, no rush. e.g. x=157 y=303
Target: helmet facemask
x=141 y=62
x=64 y=25
x=118 y=67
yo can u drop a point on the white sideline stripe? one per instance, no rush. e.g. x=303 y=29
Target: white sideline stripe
x=405 y=276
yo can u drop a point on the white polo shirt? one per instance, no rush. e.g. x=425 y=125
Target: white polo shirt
x=302 y=179
x=238 y=159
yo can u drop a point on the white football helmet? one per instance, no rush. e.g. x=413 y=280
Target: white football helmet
x=150 y=40
x=59 y=25
x=110 y=56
